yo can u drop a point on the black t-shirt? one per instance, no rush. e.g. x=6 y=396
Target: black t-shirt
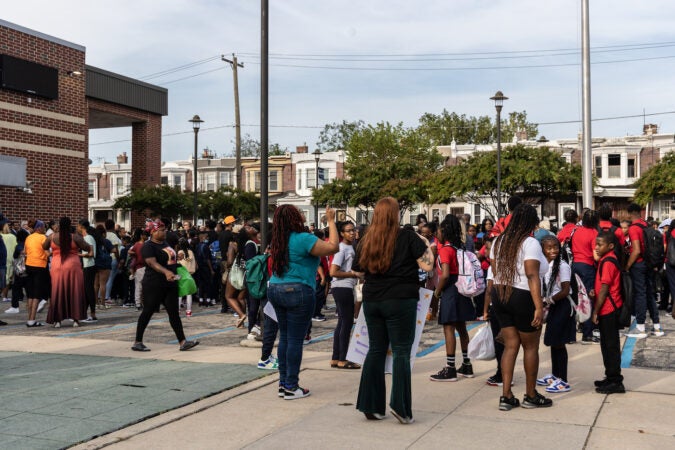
x=401 y=280
x=224 y=241
x=165 y=256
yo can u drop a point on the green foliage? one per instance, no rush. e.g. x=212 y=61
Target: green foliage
x=250 y=147
x=335 y=136
x=442 y=128
x=528 y=172
x=383 y=160
x=152 y=201
x=658 y=180
x=227 y=201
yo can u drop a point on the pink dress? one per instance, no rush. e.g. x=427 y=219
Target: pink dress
x=67 y=301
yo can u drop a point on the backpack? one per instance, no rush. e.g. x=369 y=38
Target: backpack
x=670 y=251
x=566 y=249
x=102 y=260
x=652 y=252
x=216 y=256
x=626 y=293
x=580 y=301
x=470 y=281
x=256 y=276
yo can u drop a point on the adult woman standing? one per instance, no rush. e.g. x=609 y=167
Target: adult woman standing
x=67 y=300
x=519 y=265
x=103 y=263
x=390 y=257
x=88 y=269
x=344 y=280
x=295 y=259
x=159 y=286
x=37 y=274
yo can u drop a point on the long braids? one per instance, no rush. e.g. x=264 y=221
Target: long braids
x=555 y=270
x=507 y=247
x=451 y=231
x=65 y=238
x=287 y=219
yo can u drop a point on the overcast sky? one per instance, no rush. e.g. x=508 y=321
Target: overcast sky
x=460 y=53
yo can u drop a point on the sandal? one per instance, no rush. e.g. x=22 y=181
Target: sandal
x=334 y=363
x=348 y=365
x=187 y=345
x=241 y=320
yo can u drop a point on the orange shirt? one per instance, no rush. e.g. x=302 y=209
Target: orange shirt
x=36 y=256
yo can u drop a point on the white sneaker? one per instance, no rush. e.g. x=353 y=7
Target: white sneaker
x=41 y=305
x=596 y=333
x=657 y=332
x=636 y=333
x=12 y=311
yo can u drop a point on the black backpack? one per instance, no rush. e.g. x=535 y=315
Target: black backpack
x=626 y=293
x=566 y=249
x=670 y=250
x=653 y=249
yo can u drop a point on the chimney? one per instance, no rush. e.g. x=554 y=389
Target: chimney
x=302 y=149
x=650 y=128
x=122 y=159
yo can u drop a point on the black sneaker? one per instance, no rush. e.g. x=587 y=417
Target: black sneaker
x=466 y=370
x=445 y=374
x=588 y=340
x=538 y=401
x=611 y=388
x=298 y=392
x=507 y=404
x=495 y=380
x=602 y=382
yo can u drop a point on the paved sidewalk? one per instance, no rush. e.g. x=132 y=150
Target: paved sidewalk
x=251 y=415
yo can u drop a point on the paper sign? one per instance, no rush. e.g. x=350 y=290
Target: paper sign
x=269 y=310
x=358 y=345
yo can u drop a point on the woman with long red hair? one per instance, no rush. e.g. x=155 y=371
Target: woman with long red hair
x=390 y=257
x=295 y=259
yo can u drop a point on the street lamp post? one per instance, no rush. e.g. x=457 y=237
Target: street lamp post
x=196 y=122
x=317 y=155
x=499 y=102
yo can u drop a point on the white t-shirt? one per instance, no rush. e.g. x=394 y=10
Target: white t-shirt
x=115 y=241
x=89 y=262
x=344 y=259
x=564 y=274
x=529 y=249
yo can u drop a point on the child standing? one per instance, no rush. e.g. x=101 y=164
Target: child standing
x=560 y=322
x=608 y=300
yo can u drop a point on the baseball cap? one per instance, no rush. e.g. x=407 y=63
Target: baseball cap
x=229 y=219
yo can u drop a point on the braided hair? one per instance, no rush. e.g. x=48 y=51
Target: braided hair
x=65 y=238
x=451 y=231
x=508 y=245
x=555 y=270
x=287 y=219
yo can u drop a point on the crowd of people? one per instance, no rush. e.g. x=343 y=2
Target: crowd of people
x=529 y=268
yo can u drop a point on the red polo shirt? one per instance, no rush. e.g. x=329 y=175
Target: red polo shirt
x=610 y=276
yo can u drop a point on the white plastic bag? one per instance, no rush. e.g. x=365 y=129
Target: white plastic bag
x=482 y=345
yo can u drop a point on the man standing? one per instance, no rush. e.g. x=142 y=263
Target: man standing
x=224 y=238
x=643 y=289
x=115 y=241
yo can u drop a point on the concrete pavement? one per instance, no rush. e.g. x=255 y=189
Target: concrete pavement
x=251 y=415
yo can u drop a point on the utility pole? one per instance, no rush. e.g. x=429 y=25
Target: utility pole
x=587 y=144
x=237 y=122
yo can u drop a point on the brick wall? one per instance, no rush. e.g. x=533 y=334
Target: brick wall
x=52 y=135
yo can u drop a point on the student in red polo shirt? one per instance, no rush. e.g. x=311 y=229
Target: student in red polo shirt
x=605 y=224
x=608 y=300
x=502 y=222
x=583 y=243
x=571 y=218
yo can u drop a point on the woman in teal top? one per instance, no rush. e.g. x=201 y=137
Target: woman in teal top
x=295 y=258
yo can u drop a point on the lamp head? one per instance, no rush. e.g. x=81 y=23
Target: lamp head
x=317 y=154
x=196 y=122
x=499 y=98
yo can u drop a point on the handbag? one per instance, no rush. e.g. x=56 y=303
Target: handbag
x=358 y=292
x=19 y=265
x=237 y=275
x=186 y=284
x=482 y=345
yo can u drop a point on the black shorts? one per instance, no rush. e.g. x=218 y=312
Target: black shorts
x=517 y=311
x=38 y=282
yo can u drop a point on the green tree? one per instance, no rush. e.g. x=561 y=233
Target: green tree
x=335 y=136
x=164 y=201
x=383 y=160
x=227 y=201
x=517 y=121
x=658 y=180
x=250 y=147
x=529 y=172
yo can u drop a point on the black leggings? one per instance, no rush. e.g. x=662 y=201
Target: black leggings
x=496 y=328
x=344 y=303
x=89 y=291
x=153 y=296
x=559 y=362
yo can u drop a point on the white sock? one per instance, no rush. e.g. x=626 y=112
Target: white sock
x=640 y=327
x=31 y=322
x=657 y=326
x=189 y=302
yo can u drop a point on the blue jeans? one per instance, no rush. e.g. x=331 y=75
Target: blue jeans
x=270 y=330
x=587 y=274
x=111 y=278
x=294 y=305
x=643 y=293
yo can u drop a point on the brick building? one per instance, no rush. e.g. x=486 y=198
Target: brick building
x=49 y=99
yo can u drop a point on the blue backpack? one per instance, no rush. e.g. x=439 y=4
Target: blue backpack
x=214 y=248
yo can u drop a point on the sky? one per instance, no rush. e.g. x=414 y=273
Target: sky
x=374 y=60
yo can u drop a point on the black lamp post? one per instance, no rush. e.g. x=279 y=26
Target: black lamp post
x=317 y=155
x=196 y=123
x=499 y=102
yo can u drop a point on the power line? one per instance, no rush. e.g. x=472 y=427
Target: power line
x=179 y=68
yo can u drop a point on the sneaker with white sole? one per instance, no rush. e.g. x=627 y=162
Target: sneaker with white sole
x=547 y=380
x=445 y=374
x=12 y=311
x=636 y=333
x=658 y=332
x=558 y=386
x=270 y=363
x=466 y=370
x=298 y=392
x=90 y=320
x=41 y=305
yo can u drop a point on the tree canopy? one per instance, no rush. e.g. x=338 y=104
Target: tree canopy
x=335 y=136
x=658 y=180
x=250 y=147
x=528 y=172
x=383 y=160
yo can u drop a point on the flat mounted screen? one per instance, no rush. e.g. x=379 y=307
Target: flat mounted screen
x=29 y=77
